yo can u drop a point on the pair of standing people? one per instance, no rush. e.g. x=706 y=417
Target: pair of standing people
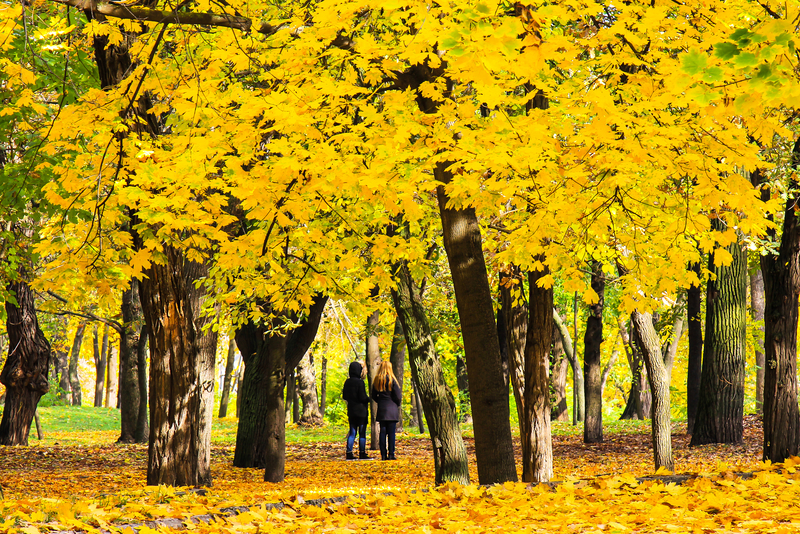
x=386 y=394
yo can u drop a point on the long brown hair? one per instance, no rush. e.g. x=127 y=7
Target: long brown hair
x=384 y=378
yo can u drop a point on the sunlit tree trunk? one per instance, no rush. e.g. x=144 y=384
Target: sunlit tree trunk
x=559 y=366
x=100 y=351
x=307 y=391
x=450 y=456
x=757 y=307
x=592 y=371
x=721 y=409
x=26 y=368
x=74 y=359
x=488 y=393
x=578 y=410
x=112 y=387
x=228 y=378
x=639 y=403
x=694 y=371
x=397 y=356
x=512 y=328
x=373 y=360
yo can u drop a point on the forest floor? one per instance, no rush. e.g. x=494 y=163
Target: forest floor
x=98 y=484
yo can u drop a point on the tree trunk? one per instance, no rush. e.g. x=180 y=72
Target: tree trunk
x=462 y=383
x=291 y=397
x=438 y=403
x=781 y=288
x=649 y=344
x=559 y=365
x=720 y=412
x=512 y=328
x=579 y=404
x=100 y=363
x=757 y=307
x=26 y=368
x=670 y=349
x=323 y=387
x=397 y=356
x=129 y=391
x=488 y=394
x=695 y=366
x=373 y=360
x=112 y=389
x=537 y=447
x=307 y=391
x=418 y=411
x=142 y=434
x=592 y=370
x=74 y=379
x=639 y=403
x=181 y=373
x=228 y=378
x=60 y=355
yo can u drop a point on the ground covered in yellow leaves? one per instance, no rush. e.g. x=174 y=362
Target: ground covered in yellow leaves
x=91 y=483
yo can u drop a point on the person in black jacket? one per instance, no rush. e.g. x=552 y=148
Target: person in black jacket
x=386 y=392
x=355 y=393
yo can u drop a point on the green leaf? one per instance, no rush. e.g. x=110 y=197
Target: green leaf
x=764 y=71
x=726 y=50
x=483 y=8
x=694 y=62
x=743 y=36
x=714 y=74
x=745 y=59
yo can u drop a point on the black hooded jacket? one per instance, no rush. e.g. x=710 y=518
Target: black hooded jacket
x=355 y=393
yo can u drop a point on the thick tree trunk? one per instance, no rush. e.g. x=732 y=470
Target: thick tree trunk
x=129 y=392
x=488 y=394
x=537 y=447
x=559 y=366
x=720 y=414
x=757 y=306
x=373 y=360
x=397 y=356
x=181 y=373
x=227 y=379
x=649 y=344
x=100 y=351
x=307 y=391
x=781 y=288
x=579 y=400
x=694 y=297
x=512 y=329
x=26 y=368
x=592 y=370
x=74 y=358
x=450 y=456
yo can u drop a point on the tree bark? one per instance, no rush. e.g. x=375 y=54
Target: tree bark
x=142 y=433
x=579 y=406
x=559 y=365
x=112 y=389
x=373 y=360
x=438 y=403
x=781 y=289
x=397 y=356
x=695 y=366
x=100 y=351
x=462 y=383
x=639 y=403
x=26 y=368
x=291 y=397
x=307 y=390
x=129 y=391
x=649 y=344
x=228 y=378
x=323 y=387
x=181 y=373
x=74 y=378
x=418 y=411
x=512 y=328
x=537 y=447
x=488 y=394
x=720 y=413
x=592 y=370
x=757 y=307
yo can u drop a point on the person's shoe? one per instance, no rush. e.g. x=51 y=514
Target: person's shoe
x=351 y=456
x=363 y=456
x=391 y=457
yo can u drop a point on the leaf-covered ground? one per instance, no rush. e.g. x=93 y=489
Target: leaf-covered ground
x=77 y=487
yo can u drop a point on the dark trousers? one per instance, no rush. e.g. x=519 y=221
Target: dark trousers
x=387 y=436
x=360 y=426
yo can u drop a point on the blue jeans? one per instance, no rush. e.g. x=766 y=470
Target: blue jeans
x=387 y=435
x=362 y=437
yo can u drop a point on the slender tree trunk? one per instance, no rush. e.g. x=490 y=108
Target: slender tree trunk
x=695 y=366
x=59 y=373
x=100 y=363
x=26 y=368
x=291 y=396
x=579 y=403
x=397 y=356
x=228 y=378
x=295 y=400
x=323 y=387
x=781 y=288
x=638 y=405
x=142 y=434
x=537 y=447
x=649 y=344
x=559 y=366
x=129 y=391
x=373 y=360
x=420 y=413
x=181 y=373
x=512 y=328
x=450 y=456
x=592 y=370
x=720 y=414
x=307 y=390
x=112 y=388
x=670 y=349
x=488 y=393
x=462 y=383
x=74 y=379
x=757 y=307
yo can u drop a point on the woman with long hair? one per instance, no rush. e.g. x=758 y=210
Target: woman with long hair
x=386 y=393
